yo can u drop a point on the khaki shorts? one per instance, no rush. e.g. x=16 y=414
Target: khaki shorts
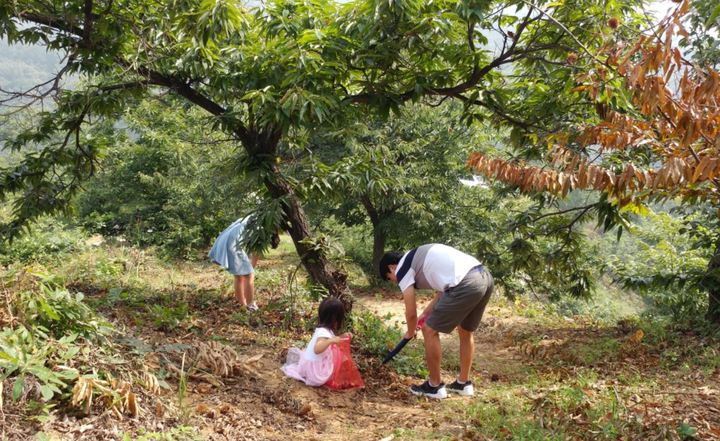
x=463 y=304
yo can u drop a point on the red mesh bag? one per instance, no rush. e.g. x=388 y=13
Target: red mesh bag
x=345 y=373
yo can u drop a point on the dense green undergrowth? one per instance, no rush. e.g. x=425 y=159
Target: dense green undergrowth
x=48 y=339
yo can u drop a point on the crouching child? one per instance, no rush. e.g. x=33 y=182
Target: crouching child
x=326 y=359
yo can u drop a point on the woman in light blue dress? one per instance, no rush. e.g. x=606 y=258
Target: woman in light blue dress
x=227 y=253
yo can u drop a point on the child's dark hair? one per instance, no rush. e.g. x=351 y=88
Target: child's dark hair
x=390 y=258
x=331 y=313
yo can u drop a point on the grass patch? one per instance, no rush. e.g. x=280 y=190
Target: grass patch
x=505 y=414
x=546 y=408
x=593 y=351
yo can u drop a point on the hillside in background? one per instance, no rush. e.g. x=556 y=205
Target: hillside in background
x=23 y=66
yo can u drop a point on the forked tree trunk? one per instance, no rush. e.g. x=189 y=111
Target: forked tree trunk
x=713 y=287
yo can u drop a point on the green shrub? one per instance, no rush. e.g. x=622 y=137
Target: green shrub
x=375 y=338
x=26 y=353
x=48 y=239
x=663 y=263
x=608 y=305
x=355 y=239
x=52 y=327
x=167 y=185
x=59 y=313
x=167 y=318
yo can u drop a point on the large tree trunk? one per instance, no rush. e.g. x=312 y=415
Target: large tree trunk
x=379 y=234
x=319 y=268
x=713 y=286
x=379 y=238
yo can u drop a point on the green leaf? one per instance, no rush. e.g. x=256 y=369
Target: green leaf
x=6 y=356
x=713 y=16
x=18 y=387
x=686 y=431
x=48 y=310
x=68 y=338
x=43 y=373
x=635 y=208
x=47 y=392
x=71 y=352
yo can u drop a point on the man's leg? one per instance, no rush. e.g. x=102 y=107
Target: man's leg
x=433 y=353
x=482 y=284
x=240 y=290
x=467 y=349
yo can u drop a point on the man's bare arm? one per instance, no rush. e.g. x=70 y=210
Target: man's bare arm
x=410 y=311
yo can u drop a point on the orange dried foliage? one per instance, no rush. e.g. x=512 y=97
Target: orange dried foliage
x=677 y=118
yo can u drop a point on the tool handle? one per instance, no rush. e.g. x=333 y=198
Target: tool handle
x=395 y=351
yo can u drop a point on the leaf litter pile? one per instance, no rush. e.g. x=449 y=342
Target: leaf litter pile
x=216 y=376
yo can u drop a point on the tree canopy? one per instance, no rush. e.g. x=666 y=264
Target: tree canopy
x=264 y=72
x=655 y=137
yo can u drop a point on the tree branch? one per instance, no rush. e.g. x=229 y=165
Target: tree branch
x=180 y=87
x=584 y=209
x=525 y=125
x=565 y=29
x=475 y=76
x=188 y=92
x=371 y=210
x=87 y=25
x=53 y=22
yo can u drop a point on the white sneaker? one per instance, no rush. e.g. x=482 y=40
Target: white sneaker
x=252 y=307
x=437 y=392
x=465 y=390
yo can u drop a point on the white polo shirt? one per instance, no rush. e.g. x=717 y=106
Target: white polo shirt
x=433 y=266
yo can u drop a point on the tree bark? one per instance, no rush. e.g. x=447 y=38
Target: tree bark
x=318 y=266
x=379 y=234
x=713 y=287
x=379 y=238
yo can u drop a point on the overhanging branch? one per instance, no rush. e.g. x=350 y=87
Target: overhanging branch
x=53 y=22
x=181 y=87
x=507 y=55
x=584 y=209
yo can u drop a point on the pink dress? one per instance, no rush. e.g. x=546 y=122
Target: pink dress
x=307 y=366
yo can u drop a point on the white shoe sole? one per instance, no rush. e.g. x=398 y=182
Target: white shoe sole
x=465 y=392
x=439 y=395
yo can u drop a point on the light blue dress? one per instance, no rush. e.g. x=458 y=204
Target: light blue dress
x=226 y=252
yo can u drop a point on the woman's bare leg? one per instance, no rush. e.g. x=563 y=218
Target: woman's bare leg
x=240 y=292
x=249 y=282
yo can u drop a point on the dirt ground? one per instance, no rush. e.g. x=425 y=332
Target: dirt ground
x=255 y=401
x=258 y=402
